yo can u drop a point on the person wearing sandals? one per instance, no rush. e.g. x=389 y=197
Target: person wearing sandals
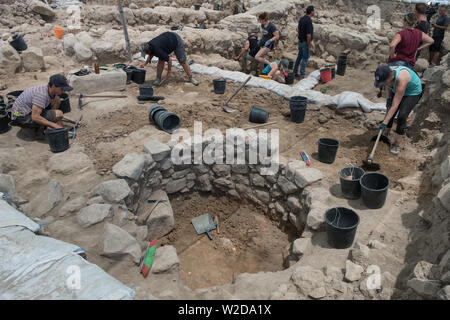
x=162 y=46
x=267 y=42
x=405 y=90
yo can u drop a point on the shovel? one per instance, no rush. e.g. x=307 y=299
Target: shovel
x=225 y=105
x=204 y=223
x=369 y=164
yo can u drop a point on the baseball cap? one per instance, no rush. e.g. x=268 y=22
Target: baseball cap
x=61 y=82
x=381 y=75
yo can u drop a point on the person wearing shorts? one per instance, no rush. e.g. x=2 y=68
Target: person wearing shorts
x=405 y=90
x=39 y=105
x=270 y=34
x=162 y=46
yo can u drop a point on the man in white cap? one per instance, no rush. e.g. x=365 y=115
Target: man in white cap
x=162 y=46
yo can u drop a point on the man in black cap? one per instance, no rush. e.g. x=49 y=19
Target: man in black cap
x=405 y=90
x=162 y=46
x=39 y=105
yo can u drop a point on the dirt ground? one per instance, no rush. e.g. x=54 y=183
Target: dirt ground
x=113 y=128
x=246 y=241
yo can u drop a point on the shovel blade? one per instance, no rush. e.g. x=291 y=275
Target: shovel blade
x=229 y=109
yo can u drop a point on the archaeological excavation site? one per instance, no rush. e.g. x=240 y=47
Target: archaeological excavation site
x=224 y=150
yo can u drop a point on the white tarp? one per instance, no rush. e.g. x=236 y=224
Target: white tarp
x=39 y=267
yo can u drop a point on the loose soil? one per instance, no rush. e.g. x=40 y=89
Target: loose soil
x=245 y=242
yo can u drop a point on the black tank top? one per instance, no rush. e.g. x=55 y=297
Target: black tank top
x=254 y=47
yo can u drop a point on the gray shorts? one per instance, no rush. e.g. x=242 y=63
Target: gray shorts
x=180 y=51
x=48 y=114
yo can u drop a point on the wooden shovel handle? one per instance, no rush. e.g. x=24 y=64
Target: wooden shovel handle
x=238 y=89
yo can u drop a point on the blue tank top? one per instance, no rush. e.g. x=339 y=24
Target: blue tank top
x=414 y=86
x=268 y=68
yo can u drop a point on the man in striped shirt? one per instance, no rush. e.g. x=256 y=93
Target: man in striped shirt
x=39 y=105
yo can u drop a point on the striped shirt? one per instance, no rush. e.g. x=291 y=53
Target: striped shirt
x=37 y=95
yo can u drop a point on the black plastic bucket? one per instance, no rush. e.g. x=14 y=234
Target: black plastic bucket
x=18 y=43
x=4 y=119
x=291 y=64
x=145 y=90
x=374 y=189
x=65 y=103
x=290 y=78
x=341 y=227
x=350 y=185
x=197 y=7
x=219 y=86
x=138 y=76
x=341 y=65
x=327 y=149
x=297 y=104
x=153 y=110
x=58 y=139
x=167 y=121
x=258 y=115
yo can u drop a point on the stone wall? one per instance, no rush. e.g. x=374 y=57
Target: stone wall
x=279 y=195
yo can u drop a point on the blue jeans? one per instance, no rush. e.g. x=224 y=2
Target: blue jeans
x=303 y=56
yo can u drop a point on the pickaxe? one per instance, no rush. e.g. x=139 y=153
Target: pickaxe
x=81 y=96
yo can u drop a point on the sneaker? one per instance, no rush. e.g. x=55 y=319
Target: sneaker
x=395 y=149
x=157 y=82
x=193 y=81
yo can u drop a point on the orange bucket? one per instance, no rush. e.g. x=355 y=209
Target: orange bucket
x=59 y=32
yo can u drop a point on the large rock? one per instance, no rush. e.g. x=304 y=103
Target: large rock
x=301 y=246
x=10 y=61
x=117 y=242
x=243 y=22
x=42 y=9
x=33 y=59
x=424 y=288
x=97 y=83
x=444 y=196
x=72 y=206
x=131 y=165
x=286 y=186
x=46 y=200
x=93 y=214
x=318 y=200
x=445 y=168
x=308 y=279
x=166 y=260
x=69 y=42
x=352 y=271
x=112 y=191
x=444 y=294
x=307 y=176
x=421 y=65
x=157 y=149
x=68 y=163
x=82 y=52
x=204 y=183
x=175 y=186
x=7 y=184
x=158 y=217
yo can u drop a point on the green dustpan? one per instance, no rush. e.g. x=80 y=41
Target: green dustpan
x=204 y=223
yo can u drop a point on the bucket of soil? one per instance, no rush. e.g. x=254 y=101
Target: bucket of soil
x=349 y=178
x=298 y=104
x=290 y=78
x=12 y=96
x=327 y=149
x=374 y=189
x=333 y=70
x=258 y=115
x=219 y=85
x=65 y=103
x=58 y=139
x=341 y=227
x=145 y=90
x=325 y=75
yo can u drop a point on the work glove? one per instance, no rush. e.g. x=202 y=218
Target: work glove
x=268 y=43
x=383 y=127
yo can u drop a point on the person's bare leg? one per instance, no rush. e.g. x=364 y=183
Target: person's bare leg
x=188 y=71
x=435 y=58
x=160 y=68
x=260 y=57
x=278 y=77
x=59 y=116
